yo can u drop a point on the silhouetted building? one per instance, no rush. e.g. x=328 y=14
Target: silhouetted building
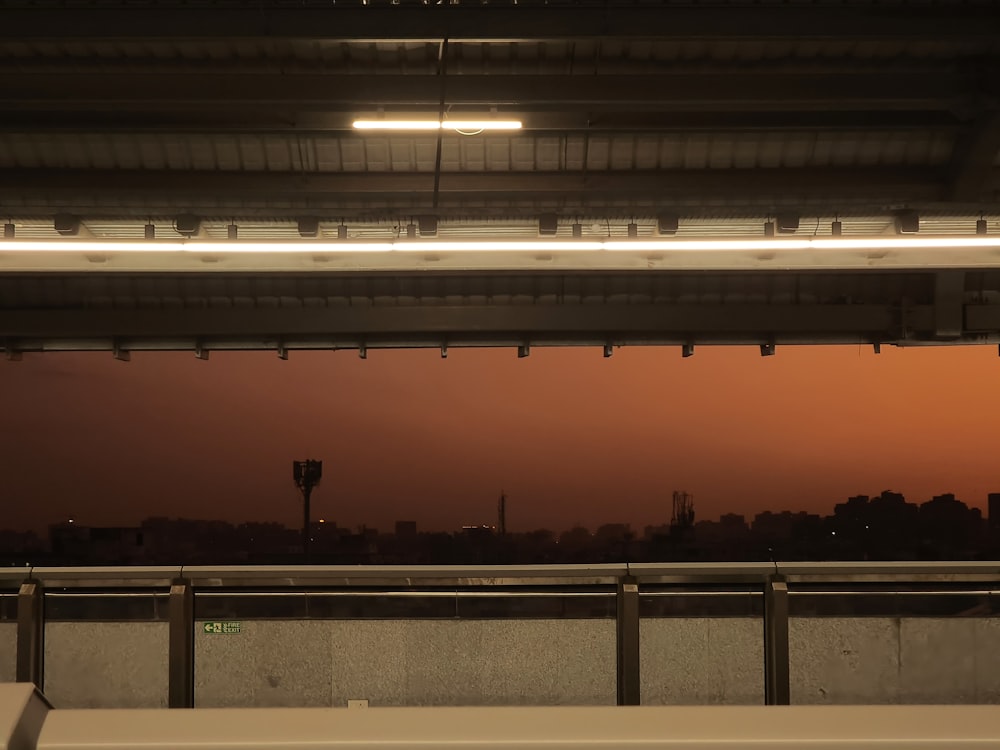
x=948 y=527
x=19 y=547
x=883 y=527
x=102 y=545
x=406 y=528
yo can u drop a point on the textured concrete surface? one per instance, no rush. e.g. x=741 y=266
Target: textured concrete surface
x=891 y=660
x=701 y=661
x=953 y=660
x=8 y=651
x=519 y=662
x=987 y=662
x=408 y=663
x=937 y=661
x=106 y=664
x=268 y=663
x=474 y=662
x=844 y=660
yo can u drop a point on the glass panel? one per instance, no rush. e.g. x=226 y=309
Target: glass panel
x=663 y=602
x=144 y=606
x=424 y=605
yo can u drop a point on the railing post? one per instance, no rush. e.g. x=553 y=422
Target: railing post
x=627 y=623
x=181 y=655
x=30 y=633
x=776 y=672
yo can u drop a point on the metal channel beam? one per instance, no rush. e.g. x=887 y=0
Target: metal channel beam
x=627 y=638
x=181 y=645
x=474 y=22
x=833 y=185
x=483 y=320
x=743 y=89
x=31 y=633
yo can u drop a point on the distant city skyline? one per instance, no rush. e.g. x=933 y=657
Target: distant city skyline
x=571 y=437
x=863 y=527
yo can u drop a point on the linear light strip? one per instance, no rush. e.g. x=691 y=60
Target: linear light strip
x=469 y=125
x=458 y=246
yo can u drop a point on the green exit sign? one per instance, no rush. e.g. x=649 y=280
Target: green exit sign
x=223 y=627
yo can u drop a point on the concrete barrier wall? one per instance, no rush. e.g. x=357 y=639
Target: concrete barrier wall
x=519 y=662
x=8 y=651
x=106 y=664
x=894 y=660
x=407 y=663
x=701 y=661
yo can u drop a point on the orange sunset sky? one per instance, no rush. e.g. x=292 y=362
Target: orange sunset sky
x=572 y=437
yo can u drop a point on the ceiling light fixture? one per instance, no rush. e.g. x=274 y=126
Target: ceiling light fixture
x=457 y=125
x=775 y=244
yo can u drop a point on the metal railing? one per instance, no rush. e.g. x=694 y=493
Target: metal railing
x=772 y=581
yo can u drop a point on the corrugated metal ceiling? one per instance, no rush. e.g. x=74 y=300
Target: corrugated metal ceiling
x=917 y=142
x=525 y=57
x=376 y=153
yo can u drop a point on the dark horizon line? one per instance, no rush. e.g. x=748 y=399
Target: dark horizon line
x=576 y=525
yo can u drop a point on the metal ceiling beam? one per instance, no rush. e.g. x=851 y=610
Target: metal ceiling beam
x=746 y=89
x=269 y=120
x=124 y=330
x=32 y=330
x=567 y=309
x=474 y=22
x=834 y=183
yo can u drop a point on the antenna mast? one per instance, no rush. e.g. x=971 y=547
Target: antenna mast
x=306 y=475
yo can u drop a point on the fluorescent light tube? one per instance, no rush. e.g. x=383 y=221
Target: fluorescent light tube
x=458 y=125
x=532 y=245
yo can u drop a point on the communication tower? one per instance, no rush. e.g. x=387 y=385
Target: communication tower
x=307 y=475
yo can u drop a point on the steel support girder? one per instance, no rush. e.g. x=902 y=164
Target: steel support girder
x=833 y=185
x=749 y=320
x=738 y=90
x=475 y=22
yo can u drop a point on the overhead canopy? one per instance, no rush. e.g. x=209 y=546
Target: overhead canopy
x=124 y=119
x=721 y=108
